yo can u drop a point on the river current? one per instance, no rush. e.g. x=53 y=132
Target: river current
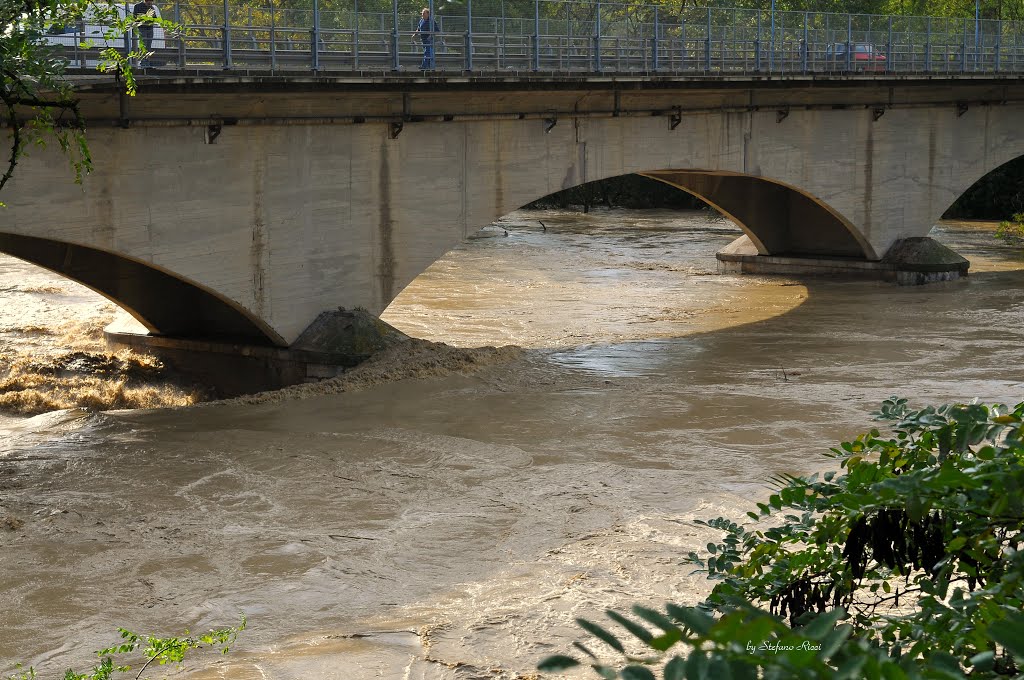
x=446 y=513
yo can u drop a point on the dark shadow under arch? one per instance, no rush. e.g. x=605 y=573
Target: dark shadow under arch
x=165 y=304
x=996 y=196
x=779 y=219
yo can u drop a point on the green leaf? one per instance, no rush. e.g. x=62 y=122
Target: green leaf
x=675 y=669
x=558 y=662
x=719 y=669
x=1010 y=634
x=823 y=624
x=580 y=646
x=891 y=671
x=741 y=670
x=663 y=643
x=636 y=629
x=691 y=617
x=983 y=661
x=831 y=643
x=655 y=617
x=697 y=665
x=637 y=673
x=600 y=633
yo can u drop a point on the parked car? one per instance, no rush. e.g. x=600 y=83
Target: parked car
x=864 y=57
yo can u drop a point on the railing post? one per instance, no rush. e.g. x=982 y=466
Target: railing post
x=536 y=35
x=849 y=42
x=771 y=44
x=804 y=47
x=707 y=45
x=654 y=42
x=181 y=38
x=469 y=35
x=315 y=34
x=273 y=44
x=226 y=32
x=394 y=36
x=682 y=40
x=597 y=40
x=355 y=35
x=757 y=45
x=999 y=42
x=963 y=50
x=888 y=49
x=928 y=45
x=435 y=37
x=565 y=55
x=977 y=33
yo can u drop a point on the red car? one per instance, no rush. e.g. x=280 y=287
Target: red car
x=864 y=57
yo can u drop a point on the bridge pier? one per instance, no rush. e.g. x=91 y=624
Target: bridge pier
x=335 y=342
x=910 y=261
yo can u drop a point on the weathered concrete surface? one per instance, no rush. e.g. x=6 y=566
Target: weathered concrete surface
x=317 y=194
x=910 y=261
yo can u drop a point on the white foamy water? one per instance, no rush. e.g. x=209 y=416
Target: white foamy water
x=446 y=515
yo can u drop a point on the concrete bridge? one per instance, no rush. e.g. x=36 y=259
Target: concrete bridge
x=240 y=208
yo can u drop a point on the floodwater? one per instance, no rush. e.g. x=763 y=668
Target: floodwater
x=445 y=513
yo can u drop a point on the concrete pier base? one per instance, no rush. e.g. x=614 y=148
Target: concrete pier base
x=336 y=341
x=910 y=261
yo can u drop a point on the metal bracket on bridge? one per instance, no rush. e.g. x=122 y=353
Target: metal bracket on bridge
x=395 y=129
x=781 y=115
x=877 y=113
x=212 y=133
x=549 y=124
x=675 y=118
x=961 y=108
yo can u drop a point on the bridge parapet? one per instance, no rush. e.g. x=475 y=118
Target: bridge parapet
x=575 y=37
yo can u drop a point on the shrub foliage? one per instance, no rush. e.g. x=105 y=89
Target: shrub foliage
x=904 y=563
x=147 y=650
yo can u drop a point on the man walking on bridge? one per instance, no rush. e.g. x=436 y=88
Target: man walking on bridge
x=426 y=30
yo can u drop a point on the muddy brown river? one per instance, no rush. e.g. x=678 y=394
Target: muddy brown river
x=446 y=513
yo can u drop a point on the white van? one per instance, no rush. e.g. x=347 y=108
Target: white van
x=88 y=30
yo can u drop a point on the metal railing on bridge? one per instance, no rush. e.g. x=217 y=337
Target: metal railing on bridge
x=571 y=37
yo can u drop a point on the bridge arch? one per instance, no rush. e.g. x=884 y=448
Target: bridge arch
x=162 y=302
x=778 y=219
x=999 y=190
x=972 y=160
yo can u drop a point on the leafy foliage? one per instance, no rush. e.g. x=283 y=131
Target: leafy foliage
x=154 y=649
x=38 y=103
x=1012 y=230
x=931 y=515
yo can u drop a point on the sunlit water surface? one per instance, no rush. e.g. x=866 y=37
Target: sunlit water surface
x=453 y=527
